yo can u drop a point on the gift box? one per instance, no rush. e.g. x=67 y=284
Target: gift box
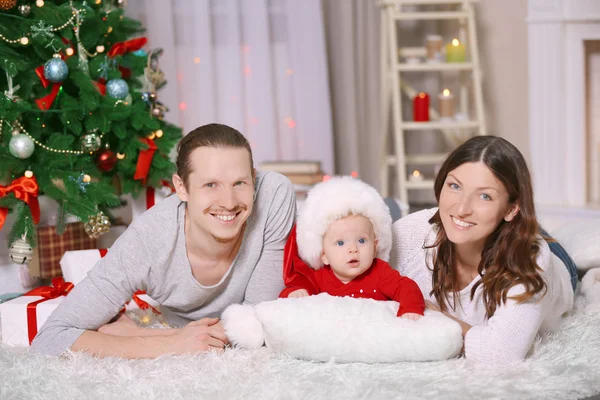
x=150 y=198
x=76 y=264
x=21 y=318
x=53 y=246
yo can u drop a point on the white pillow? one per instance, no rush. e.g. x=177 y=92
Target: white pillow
x=349 y=330
x=582 y=241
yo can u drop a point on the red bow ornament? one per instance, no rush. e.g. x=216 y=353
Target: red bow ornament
x=24 y=189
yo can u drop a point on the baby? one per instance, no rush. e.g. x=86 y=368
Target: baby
x=344 y=234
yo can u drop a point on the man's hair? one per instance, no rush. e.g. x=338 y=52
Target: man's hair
x=211 y=135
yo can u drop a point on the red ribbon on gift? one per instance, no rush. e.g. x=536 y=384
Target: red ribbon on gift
x=127 y=46
x=24 y=189
x=142 y=304
x=150 y=194
x=59 y=288
x=145 y=160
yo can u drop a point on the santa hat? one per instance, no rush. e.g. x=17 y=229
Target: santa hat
x=335 y=199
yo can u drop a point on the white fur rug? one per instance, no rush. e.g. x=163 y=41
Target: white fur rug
x=565 y=365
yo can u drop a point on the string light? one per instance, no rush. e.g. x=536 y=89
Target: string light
x=39 y=3
x=151 y=136
x=70 y=51
x=24 y=40
x=120 y=156
x=28 y=174
x=159 y=133
x=43 y=146
x=100 y=49
x=87 y=178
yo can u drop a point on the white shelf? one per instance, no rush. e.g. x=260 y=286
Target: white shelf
x=420 y=159
x=426 y=184
x=422 y=126
x=435 y=67
x=431 y=15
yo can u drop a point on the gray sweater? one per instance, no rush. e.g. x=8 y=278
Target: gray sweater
x=151 y=255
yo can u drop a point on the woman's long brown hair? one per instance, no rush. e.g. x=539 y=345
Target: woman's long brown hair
x=509 y=254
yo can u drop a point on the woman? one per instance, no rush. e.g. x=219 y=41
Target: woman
x=479 y=257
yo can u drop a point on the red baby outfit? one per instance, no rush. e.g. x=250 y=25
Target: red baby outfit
x=379 y=282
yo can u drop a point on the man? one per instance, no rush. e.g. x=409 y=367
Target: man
x=219 y=241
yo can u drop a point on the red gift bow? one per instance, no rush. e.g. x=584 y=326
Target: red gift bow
x=141 y=303
x=127 y=46
x=145 y=160
x=150 y=192
x=59 y=288
x=24 y=189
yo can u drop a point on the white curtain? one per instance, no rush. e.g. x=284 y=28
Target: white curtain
x=256 y=65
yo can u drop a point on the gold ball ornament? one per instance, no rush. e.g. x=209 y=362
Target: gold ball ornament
x=20 y=251
x=97 y=225
x=7 y=4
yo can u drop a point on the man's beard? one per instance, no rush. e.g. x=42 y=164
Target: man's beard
x=222 y=240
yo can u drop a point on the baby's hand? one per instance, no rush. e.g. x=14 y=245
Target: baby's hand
x=412 y=316
x=298 y=293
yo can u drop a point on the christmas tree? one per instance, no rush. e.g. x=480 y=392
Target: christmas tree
x=79 y=115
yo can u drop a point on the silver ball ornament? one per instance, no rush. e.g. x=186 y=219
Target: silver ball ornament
x=20 y=252
x=56 y=70
x=90 y=142
x=21 y=146
x=25 y=10
x=157 y=112
x=117 y=89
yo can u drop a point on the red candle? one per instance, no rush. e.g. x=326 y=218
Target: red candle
x=421 y=107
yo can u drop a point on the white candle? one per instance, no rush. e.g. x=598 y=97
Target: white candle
x=446 y=104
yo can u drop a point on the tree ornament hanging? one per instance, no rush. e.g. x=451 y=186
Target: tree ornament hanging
x=24 y=10
x=21 y=146
x=56 y=70
x=97 y=225
x=90 y=142
x=20 y=251
x=106 y=160
x=6 y=5
x=117 y=89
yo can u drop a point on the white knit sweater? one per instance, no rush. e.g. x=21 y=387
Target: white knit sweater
x=509 y=334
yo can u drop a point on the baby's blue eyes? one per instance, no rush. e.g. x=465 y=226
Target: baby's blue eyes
x=341 y=242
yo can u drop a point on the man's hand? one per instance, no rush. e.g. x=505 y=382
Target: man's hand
x=298 y=293
x=198 y=336
x=411 y=316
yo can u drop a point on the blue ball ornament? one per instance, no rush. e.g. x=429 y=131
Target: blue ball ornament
x=56 y=70
x=117 y=89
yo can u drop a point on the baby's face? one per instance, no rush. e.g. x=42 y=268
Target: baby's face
x=349 y=247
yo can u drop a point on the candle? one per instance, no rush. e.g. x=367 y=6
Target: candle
x=416 y=176
x=446 y=104
x=421 y=107
x=455 y=51
x=433 y=44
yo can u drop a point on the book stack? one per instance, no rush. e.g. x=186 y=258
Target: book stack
x=299 y=172
x=303 y=174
